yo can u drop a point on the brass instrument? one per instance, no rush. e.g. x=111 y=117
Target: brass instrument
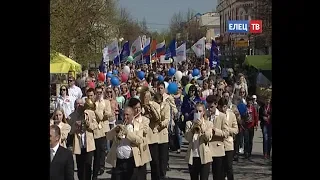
x=148 y=109
x=89 y=104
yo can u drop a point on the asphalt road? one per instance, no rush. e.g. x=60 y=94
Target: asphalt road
x=255 y=168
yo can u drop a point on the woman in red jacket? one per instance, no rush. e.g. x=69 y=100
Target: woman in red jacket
x=250 y=124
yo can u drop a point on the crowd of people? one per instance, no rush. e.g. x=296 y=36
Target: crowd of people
x=139 y=122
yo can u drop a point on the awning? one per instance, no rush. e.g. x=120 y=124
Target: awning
x=60 y=63
x=261 y=62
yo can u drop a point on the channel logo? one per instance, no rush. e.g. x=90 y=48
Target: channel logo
x=252 y=26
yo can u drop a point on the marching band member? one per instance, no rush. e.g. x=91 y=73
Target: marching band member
x=228 y=142
x=198 y=134
x=135 y=104
x=220 y=132
x=125 y=154
x=163 y=134
x=83 y=144
x=151 y=110
x=59 y=119
x=103 y=113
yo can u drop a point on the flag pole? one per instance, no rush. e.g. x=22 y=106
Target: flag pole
x=204 y=51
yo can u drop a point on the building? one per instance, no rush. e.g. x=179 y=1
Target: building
x=211 y=21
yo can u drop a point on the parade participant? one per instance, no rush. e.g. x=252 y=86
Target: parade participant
x=121 y=101
x=255 y=103
x=110 y=95
x=189 y=102
x=250 y=123
x=62 y=165
x=125 y=156
x=241 y=84
x=60 y=120
x=163 y=134
x=220 y=132
x=103 y=114
x=73 y=90
x=136 y=105
x=151 y=110
x=73 y=118
x=205 y=89
x=178 y=98
x=83 y=144
x=228 y=142
x=124 y=90
x=198 y=134
x=264 y=116
x=221 y=89
x=64 y=101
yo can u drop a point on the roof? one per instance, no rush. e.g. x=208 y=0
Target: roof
x=261 y=62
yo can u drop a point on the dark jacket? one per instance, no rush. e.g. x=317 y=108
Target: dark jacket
x=62 y=165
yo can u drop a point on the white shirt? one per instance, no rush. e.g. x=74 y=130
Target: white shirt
x=66 y=104
x=74 y=93
x=206 y=93
x=54 y=150
x=124 y=149
x=195 y=146
x=213 y=117
x=83 y=142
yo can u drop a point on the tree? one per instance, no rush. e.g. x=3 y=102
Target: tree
x=81 y=28
x=263 y=10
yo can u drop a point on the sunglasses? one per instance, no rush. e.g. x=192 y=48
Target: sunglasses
x=70 y=80
x=133 y=89
x=63 y=89
x=220 y=89
x=99 y=92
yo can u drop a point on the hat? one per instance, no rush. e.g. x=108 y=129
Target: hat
x=254 y=96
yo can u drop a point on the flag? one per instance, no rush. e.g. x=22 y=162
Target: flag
x=214 y=59
x=172 y=48
x=136 y=49
x=102 y=66
x=161 y=48
x=164 y=60
x=113 y=49
x=123 y=55
x=198 y=47
x=105 y=56
x=181 y=54
x=146 y=47
x=149 y=48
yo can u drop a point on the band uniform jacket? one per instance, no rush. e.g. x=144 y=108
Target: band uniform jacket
x=65 y=130
x=153 y=133
x=144 y=148
x=204 y=138
x=221 y=132
x=103 y=113
x=233 y=130
x=165 y=118
x=134 y=137
x=170 y=100
x=91 y=125
x=62 y=165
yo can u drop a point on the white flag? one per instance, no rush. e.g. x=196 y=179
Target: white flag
x=198 y=47
x=163 y=60
x=105 y=54
x=144 y=40
x=136 y=49
x=181 y=52
x=113 y=50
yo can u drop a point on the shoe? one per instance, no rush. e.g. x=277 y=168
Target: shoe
x=168 y=168
x=236 y=158
x=178 y=151
x=101 y=171
x=246 y=155
x=241 y=151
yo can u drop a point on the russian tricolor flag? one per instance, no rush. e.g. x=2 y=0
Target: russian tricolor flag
x=161 y=48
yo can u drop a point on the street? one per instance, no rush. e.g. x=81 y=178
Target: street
x=255 y=168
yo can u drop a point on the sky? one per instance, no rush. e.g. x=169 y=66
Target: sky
x=159 y=12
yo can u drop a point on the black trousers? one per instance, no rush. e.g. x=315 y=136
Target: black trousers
x=99 y=155
x=227 y=161
x=142 y=172
x=154 y=164
x=248 y=140
x=197 y=169
x=217 y=168
x=163 y=159
x=84 y=163
x=70 y=140
x=125 y=170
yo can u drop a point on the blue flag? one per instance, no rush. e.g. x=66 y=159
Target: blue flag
x=171 y=50
x=125 y=52
x=214 y=59
x=102 y=66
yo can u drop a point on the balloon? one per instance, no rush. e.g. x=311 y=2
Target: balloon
x=115 y=72
x=115 y=81
x=172 y=88
x=195 y=72
x=172 y=71
x=109 y=75
x=160 y=78
x=166 y=84
x=124 y=77
x=171 y=60
x=178 y=75
x=130 y=59
x=187 y=88
x=126 y=69
x=140 y=75
x=101 y=77
x=242 y=108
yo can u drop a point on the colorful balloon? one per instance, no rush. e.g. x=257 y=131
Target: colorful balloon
x=172 y=88
x=124 y=77
x=178 y=75
x=130 y=59
x=115 y=81
x=141 y=75
x=109 y=75
x=115 y=72
x=101 y=77
x=172 y=71
x=195 y=72
x=126 y=69
x=160 y=78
